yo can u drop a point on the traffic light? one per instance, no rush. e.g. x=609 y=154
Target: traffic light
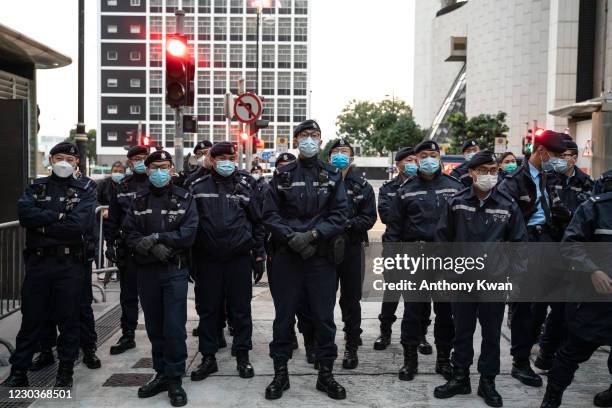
x=254 y=131
x=528 y=143
x=180 y=72
x=145 y=140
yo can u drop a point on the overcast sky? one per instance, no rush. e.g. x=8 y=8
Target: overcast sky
x=359 y=49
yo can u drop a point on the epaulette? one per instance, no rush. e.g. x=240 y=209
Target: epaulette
x=505 y=195
x=413 y=177
x=329 y=168
x=199 y=179
x=452 y=178
x=82 y=183
x=462 y=191
x=601 y=198
x=123 y=186
x=287 y=167
x=179 y=192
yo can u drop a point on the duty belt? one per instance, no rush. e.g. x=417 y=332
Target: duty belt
x=59 y=251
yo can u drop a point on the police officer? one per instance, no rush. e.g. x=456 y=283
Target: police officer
x=461 y=173
x=305 y=209
x=361 y=218
x=406 y=164
x=479 y=214
x=105 y=188
x=257 y=174
x=571 y=187
x=413 y=217
x=159 y=228
x=228 y=206
x=57 y=213
x=589 y=324
x=120 y=204
x=528 y=187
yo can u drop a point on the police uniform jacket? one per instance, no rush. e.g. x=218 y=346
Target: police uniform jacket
x=572 y=191
x=385 y=197
x=462 y=174
x=361 y=208
x=121 y=200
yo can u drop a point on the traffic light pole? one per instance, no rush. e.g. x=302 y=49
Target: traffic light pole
x=178 y=111
x=81 y=134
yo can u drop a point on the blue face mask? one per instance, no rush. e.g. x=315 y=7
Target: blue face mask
x=139 y=167
x=117 y=177
x=340 y=160
x=308 y=147
x=225 y=168
x=159 y=177
x=410 y=169
x=429 y=166
x=469 y=156
x=559 y=165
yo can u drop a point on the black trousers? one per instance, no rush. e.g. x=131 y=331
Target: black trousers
x=490 y=316
x=413 y=324
x=229 y=279
x=387 y=316
x=350 y=280
x=55 y=284
x=312 y=281
x=128 y=296
x=163 y=295
x=550 y=327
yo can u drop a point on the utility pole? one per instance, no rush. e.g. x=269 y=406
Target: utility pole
x=81 y=134
x=249 y=143
x=178 y=111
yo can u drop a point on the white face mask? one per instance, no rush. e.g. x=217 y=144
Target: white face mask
x=63 y=169
x=256 y=176
x=485 y=183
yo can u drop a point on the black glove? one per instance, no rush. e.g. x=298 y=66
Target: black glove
x=309 y=251
x=111 y=254
x=258 y=269
x=300 y=240
x=145 y=244
x=561 y=214
x=161 y=252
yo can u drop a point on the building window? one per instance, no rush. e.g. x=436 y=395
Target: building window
x=236 y=56
x=134 y=55
x=285 y=7
x=171 y=6
x=301 y=6
x=219 y=133
x=189 y=27
x=299 y=83
x=220 y=6
x=204 y=82
x=251 y=56
x=135 y=3
x=111 y=109
x=284 y=29
x=251 y=28
x=204 y=28
x=155 y=81
x=170 y=24
x=155 y=109
x=236 y=29
x=233 y=81
x=134 y=29
x=169 y=135
x=155 y=55
x=300 y=57
x=268 y=57
x=203 y=110
x=135 y=83
x=237 y=6
x=268 y=110
x=299 y=110
x=251 y=81
x=155 y=6
x=204 y=6
x=267 y=135
x=111 y=136
x=284 y=110
x=284 y=56
x=155 y=131
x=220 y=29
x=111 y=82
x=111 y=29
x=301 y=29
x=156 y=27
x=267 y=31
x=220 y=57
x=204 y=55
x=112 y=55
x=219 y=111
x=111 y=3
x=284 y=83
x=134 y=109
x=188 y=6
x=220 y=82
x=267 y=83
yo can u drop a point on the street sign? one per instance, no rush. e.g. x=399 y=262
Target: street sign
x=248 y=108
x=501 y=145
x=282 y=144
x=265 y=155
x=228 y=106
x=588 y=149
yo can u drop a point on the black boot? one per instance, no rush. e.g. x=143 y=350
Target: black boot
x=196 y=332
x=154 y=387
x=44 y=359
x=326 y=382
x=544 y=361
x=350 y=360
x=221 y=343
x=244 y=367
x=126 y=342
x=176 y=393
x=521 y=370
x=443 y=365
x=486 y=390
x=308 y=348
x=384 y=339
x=90 y=359
x=424 y=347
x=17 y=379
x=458 y=384
x=207 y=367
x=65 y=370
x=411 y=363
x=280 y=382
x=552 y=397
x=604 y=398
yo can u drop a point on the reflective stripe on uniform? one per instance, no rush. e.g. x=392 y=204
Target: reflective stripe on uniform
x=446 y=190
x=464 y=207
x=603 y=231
x=132 y=194
x=206 y=195
x=492 y=211
x=171 y=212
x=243 y=197
x=578 y=189
x=148 y=211
x=413 y=193
x=525 y=198
x=391 y=194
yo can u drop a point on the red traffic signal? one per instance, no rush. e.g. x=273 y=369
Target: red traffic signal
x=145 y=141
x=244 y=137
x=180 y=72
x=177 y=47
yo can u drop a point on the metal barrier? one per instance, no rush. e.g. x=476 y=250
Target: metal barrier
x=100 y=256
x=12 y=271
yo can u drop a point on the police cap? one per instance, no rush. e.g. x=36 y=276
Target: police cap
x=306 y=125
x=137 y=150
x=571 y=145
x=204 y=144
x=285 y=157
x=551 y=140
x=468 y=144
x=222 y=148
x=482 y=157
x=257 y=167
x=340 y=143
x=427 y=145
x=65 y=148
x=403 y=153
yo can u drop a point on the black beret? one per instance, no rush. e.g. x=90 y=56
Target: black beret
x=426 y=145
x=551 y=140
x=136 y=150
x=307 y=124
x=204 y=144
x=468 y=144
x=285 y=157
x=221 y=148
x=571 y=145
x=339 y=143
x=65 y=148
x=403 y=153
x=258 y=167
x=158 y=155
x=482 y=157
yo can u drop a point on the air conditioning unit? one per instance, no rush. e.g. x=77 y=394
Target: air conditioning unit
x=458 y=49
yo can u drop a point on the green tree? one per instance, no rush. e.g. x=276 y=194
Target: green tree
x=379 y=127
x=484 y=128
x=91 y=143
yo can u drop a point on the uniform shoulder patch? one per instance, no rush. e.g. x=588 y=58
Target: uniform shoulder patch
x=329 y=168
x=600 y=198
x=179 y=192
x=504 y=195
x=409 y=179
x=452 y=178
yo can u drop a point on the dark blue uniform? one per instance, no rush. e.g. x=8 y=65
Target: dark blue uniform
x=114 y=232
x=57 y=213
x=229 y=209
x=467 y=219
x=462 y=174
x=589 y=324
x=170 y=213
x=304 y=195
